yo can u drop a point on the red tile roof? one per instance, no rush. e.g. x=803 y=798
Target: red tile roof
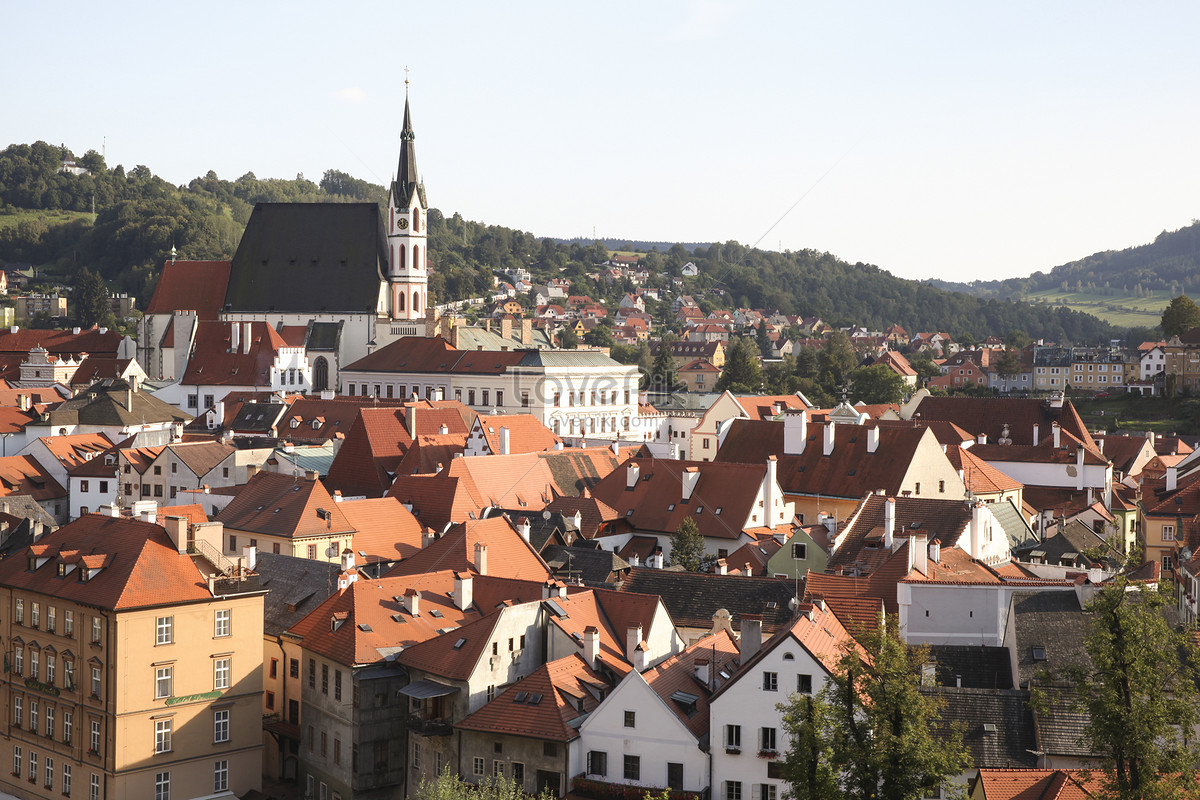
x=193 y=513
x=139 y=565
x=191 y=286
x=215 y=363
x=526 y=433
x=508 y=555
x=567 y=690
x=678 y=674
x=990 y=415
x=433 y=355
x=77 y=448
x=384 y=530
x=24 y=475
x=1039 y=784
x=979 y=476
x=281 y=505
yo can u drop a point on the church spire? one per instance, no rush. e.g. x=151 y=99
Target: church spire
x=407 y=179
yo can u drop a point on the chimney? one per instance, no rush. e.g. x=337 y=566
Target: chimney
x=129 y=399
x=524 y=528
x=702 y=673
x=1035 y=435
x=935 y=552
x=176 y=528
x=1079 y=468
x=246 y=340
x=1172 y=478
x=1056 y=431
x=591 y=645
x=632 y=471
x=978 y=521
x=690 y=476
x=751 y=638
x=527 y=332
x=889 y=524
x=722 y=567
x=918 y=553
x=481 y=558
x=464 y=590
x=252 y=470
x=770 y=482
x=250 y=554
x=505 y=444
x=982 y=438
x=410 y=419
x=23 y=402
x=412 y=602
x=505 y=328
x=655 y=560
x=873 y=439
x=347 y=560
x=235 y=330
x=633 y=638
x=830 y=425
x=311 y=475
x=795 y=432
x=443 y=429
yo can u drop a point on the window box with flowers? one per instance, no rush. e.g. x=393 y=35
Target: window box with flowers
x=768 y=754
x=93 y=751
x=733 y=751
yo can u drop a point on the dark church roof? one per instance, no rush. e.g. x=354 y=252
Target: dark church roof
x=309 y=257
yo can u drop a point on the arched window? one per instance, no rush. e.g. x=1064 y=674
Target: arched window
x=416 y=220
x=416 y=257
x=320 y=374
x=400 y=300
x=416 y=306
x=402 y=253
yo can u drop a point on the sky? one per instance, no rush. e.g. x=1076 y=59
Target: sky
x=949 y=140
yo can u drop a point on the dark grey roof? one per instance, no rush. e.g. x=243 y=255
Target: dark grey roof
x=996 y=725
x=112 y=402
x=1060 y=723
x=566 y=358
x=309 y=257
x=1013 y=522
x=295 y=586
x=1072 y=541
x=1052 y=622
x=972 y=666
x=258 y=417
x=693 y=597
x=588 y=564
x=323 y=335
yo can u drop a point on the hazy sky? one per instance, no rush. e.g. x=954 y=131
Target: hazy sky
x=956 y=139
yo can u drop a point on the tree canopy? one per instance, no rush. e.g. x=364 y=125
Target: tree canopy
x=687 y=547
x=1180 y=316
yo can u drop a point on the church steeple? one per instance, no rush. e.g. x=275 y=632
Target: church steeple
x=407 y=276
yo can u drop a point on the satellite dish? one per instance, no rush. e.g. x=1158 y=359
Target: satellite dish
x=546 y=514
x=331 y=552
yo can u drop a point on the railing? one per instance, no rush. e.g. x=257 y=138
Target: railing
x=603 y=790
x=215 y=556
x=429 y=727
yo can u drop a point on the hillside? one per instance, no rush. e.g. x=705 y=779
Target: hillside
x=140 y=217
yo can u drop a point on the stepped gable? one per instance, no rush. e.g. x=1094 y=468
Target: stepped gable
x=309 y=258
x=281 y=505
x=554 y=716
x=508 y=555
x=197 y=286
x=692 y=598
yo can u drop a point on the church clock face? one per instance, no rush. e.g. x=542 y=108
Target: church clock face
x=402 y=224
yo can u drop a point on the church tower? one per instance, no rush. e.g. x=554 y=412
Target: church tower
x=408 y=276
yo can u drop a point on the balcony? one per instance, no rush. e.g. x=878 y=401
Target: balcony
x=429 y=726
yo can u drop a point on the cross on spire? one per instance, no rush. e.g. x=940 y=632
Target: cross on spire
x=406 y=80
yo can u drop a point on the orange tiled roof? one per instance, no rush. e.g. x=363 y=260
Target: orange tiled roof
x=526 y=433
x=191 y=286
x=678 y=674
x=193 y=513
x=508 y=554
x=281 y=505
x=24 y=475
x=384 y=530
x=980 y=476
x=215 y=362
x=567 y=690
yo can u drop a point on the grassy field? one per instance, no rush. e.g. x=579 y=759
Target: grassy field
x=1134 y=413
x=11 y=219
x=1126 y=311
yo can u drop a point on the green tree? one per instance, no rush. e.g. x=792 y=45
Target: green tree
x=1009 y=364
x=742 y=372
x=452 y=787
x=662 y=373
x=876 y=384
x=1140 y=692
x=90 y=298
x=687 y=547
x=764 y=342
x=835 y=361
x=599 y=336
x=870 y=731
x=1180 y=316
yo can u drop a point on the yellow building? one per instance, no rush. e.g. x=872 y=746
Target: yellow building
x=133 y=669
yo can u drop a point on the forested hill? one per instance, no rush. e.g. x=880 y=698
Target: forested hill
x=1170 y=263
x=46 y=219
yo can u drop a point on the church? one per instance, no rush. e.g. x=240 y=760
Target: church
x=339 y=280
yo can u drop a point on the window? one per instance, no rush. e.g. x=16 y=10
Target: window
x=477 y=766
x=49 y=772
x=18 y=710
x=550 y=749
x=337 y=751
x=274 y=668
x=19 y=612
x=35 y=664
x=66 y=779
x=95 y=630
x=733 y=790
x=68 y=623
x=324 y=744
x=269 y=700
x=164 y=630
x=770 y=681
x=767 y=792
x=36 y=615
x=94 y=793
x=50 y=721
x=733 y=736
x=162 y=786
x=51 y=618
x=633 y=768
x=597 y=763
x=221 y=725
x=221 y=673
x=312 y=673
x=337 y=684
x=33 y=715
x=497 y=769
x=804 y=684
x=51 y=668
x=162 y=735
x=17 y=761
x=221 y=622
x=294 y=667
x=221 y=776
x=32 y=766
x=917 y=488
x=19 y=660
x=416 y=758
x=68 y=726
x=69 y=674
x=312 y=551
x=766 y=739
x=630 y=719
x=1168 y=535
x=324 y=679
x=799 y=552
x=94 y=741
x=162 y=682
